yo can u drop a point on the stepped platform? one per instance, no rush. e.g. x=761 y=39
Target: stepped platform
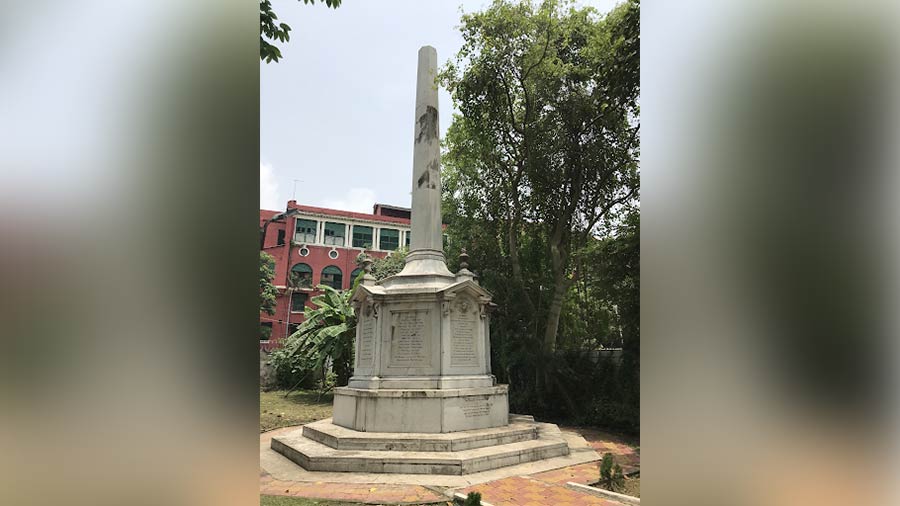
x=324 y=446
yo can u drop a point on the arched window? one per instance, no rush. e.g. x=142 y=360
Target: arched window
x=355 y=274
x=333 y=277
x=301 y=276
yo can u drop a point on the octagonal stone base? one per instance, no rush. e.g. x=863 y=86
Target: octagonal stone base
x=421 y=411
x=323 y=446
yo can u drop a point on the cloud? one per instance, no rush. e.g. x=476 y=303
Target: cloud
x=269 y=197
x=359 y=200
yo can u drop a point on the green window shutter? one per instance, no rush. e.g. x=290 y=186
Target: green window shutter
x=306 y=231
x=390 y=239
x=334 y=233
x=298 y=302
x=333 y=277
x=301 y=276
x=362 y=237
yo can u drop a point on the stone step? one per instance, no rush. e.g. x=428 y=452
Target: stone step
x=315 y=456
x=342 y=438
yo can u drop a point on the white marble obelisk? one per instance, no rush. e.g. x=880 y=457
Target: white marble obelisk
x=426 y=255
x=422 y=351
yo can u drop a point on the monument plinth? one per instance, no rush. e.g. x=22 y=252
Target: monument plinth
x=422 y=398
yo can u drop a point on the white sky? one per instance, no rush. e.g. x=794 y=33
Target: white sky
x=337 y=111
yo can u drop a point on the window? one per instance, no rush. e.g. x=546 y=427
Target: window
x=301 y=276
x=334 y=233
x=390 y=239
x=333 y=277
x=281 y=237
x=265 y=331
x=306 y=231
x=362 y=237
x=407 y=238
x=355 y=274
x=298 y=302
x=292 y=328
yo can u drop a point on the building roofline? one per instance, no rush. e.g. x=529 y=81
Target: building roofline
x=389 y=206
x=337 y=213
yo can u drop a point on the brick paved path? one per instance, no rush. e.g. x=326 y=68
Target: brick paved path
x=529 y=491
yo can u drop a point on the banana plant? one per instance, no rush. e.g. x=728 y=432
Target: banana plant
x=326 y=334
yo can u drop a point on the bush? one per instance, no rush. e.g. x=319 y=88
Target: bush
x=292 y=370
x=473 y=499
x=611 y=476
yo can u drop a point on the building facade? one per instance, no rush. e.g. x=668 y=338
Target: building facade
x=315 y=246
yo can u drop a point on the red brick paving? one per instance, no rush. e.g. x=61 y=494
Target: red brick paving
x=549 y=488
x=582 y=473
x=604 y=442
x=527 y=491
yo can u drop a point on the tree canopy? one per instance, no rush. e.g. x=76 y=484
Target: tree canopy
x=267 y=290
x=545 y=149
x=270 y=30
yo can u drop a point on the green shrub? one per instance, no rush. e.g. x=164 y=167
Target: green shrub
x=473 y=499
x=611 y=475
x=293 y=370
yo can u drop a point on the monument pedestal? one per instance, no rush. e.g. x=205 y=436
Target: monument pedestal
x=422 y=359
x=422 y=411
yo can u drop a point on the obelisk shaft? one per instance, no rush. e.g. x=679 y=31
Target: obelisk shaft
x=426 y=252
x=426 y=184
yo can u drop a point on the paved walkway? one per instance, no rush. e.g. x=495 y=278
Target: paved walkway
x=373 y=493
x=530 y=491
x=537 y=489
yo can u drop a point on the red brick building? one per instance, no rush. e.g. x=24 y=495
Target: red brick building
x=313 y=246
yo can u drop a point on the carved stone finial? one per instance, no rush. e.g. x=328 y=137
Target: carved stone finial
x=464 y=272
x=367 y=264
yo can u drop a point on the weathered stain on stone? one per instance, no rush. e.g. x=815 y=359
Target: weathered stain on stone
x=425 y=181
x=428 y=125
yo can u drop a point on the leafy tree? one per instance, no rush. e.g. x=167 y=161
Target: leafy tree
x=267 y=290
x=389 y=265
x=546 y=146
x=270 y=30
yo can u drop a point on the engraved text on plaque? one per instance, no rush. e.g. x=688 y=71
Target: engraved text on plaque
x=366 y=341
x=462 y=342
x=408 y=341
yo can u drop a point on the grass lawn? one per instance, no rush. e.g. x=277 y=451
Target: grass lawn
x=275 y=500
x=297 y=408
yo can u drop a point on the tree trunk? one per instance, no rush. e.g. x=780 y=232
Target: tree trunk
x=560 y=287
x=513 y=244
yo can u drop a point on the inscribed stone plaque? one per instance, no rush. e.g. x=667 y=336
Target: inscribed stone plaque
x=409 y=347
x=366 y=340
x=474 y=407
x=462 y=342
